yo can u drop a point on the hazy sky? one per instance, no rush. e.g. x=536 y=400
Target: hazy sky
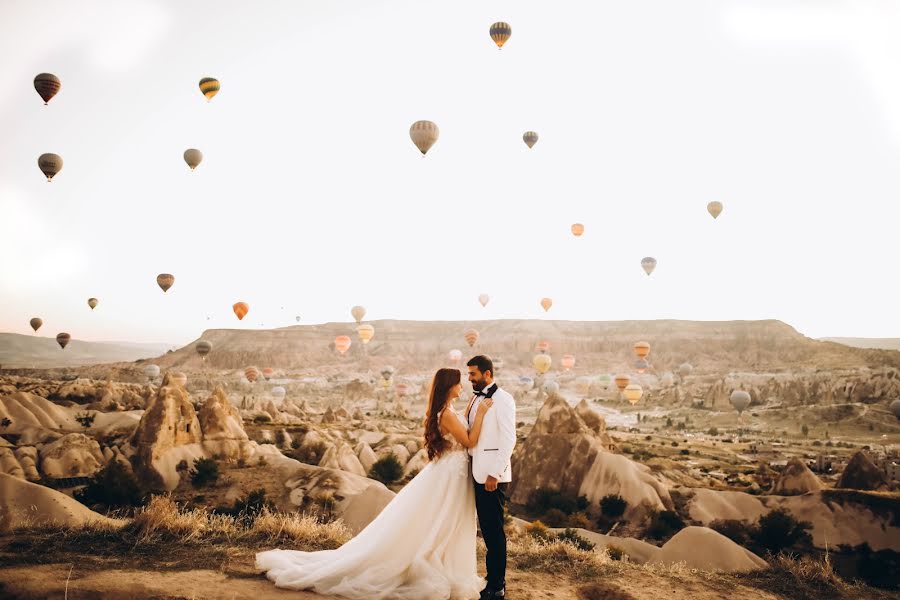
x=312 y=197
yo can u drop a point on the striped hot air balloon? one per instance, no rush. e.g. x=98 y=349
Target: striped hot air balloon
x=342 y=343
x=471 y=336
x=240 y=309
x=209 y=87
x=500 y=33
x=541 y=363
x=179 y=378
x=165 y=281
x=633 y=393
x=365 y=332
x=424 y=134
x=36 y=323
x=642 y=349
x=63 y=340
x=568 y=361
x=530 y=138
x=47 y=85
x=50 y=164
x=252 y=374
x=622 y=380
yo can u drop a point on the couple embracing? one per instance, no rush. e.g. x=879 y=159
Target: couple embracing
x=422 y=545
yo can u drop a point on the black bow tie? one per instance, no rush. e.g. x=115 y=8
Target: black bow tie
x=484 y=392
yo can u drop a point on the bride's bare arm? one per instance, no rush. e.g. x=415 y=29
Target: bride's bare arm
x=469 y=439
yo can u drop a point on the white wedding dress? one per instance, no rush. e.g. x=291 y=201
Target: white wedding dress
x=421 y=546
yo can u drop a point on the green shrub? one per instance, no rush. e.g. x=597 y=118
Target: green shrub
x=387 y=470
x=613 y=505
x=114 y=486
x=205 y=471
x=570 y=536
x=664 y=524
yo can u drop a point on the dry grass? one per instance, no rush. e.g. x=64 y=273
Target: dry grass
x=530 y=553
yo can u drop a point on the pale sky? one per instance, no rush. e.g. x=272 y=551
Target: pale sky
x=311 y=195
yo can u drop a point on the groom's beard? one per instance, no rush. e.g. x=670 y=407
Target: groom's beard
x=479 y=385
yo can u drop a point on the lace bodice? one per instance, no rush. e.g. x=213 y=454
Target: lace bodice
x=454 y=444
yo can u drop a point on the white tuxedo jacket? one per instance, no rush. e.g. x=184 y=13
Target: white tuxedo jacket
x=491 y=456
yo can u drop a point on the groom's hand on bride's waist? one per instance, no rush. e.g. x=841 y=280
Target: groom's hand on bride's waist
x=490 y=484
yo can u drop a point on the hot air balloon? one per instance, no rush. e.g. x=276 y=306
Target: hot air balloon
x=641 y=365
x=92 y=302
x=484 y=299
x=895 y=408
x=577 y=229
x=633 y=393
x=279 y=392
x=252 y=374
x=358 y=312
x=568 y=361
x=342 y=344
x=583 y=385
x=622 y=380
x=604 y=380
x=151 y=371
x=543 y=346
x=471 y=336
x=165 y=281
x=526 y=382
x=541 y=363
x=402 y=389
x=551 y=387
x=642 y=349
x=298 y=318
x=530 y=138
x=50 y=164
x=209 y=87
x=455 y=355
x=193 y=158
x=387 y=372
x=267 y=372
x=179 y=378
x=47 y=85
x=500 y=33
x=63 y=339
x=366 y=332
x=740 y=400
x=203 y=348
x=714 y=208
x=667 y=380
x=546 y=303
x=36 y=323
x=684 y=369
x=424 y=134
x=648 y=263
x=240 y=309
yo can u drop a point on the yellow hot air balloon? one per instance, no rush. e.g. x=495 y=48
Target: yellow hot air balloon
x=568 y=361
x=50 y=164
x=193 y=158
x=92 y=302
x=63 y=340
x=366 y=332
x=714 y=208
x=484 y=299
x=546 y=303
x=358 y=312
x=165 y=281
x=500 y=33
x=209 y=87
x=240 y=309
x=530 y=138
x=342 y=344
x=622 y=380
x=36 y=323
x=633 y=393
x=424 y=134
x=577 y=229
x=642 y=349
x=541 y=363
x=47 y=85
x=471 y=336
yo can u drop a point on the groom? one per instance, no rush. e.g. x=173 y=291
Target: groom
x=491 y=468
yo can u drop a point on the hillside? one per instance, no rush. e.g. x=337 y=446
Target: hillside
x=26 y=351
x=875 y=343
x=711 y=346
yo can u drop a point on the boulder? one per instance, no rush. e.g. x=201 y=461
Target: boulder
x=366 y=456
x=25 y=504
x=416 y=463
x=341 y=457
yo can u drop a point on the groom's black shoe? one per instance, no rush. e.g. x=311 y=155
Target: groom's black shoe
x=492 y=594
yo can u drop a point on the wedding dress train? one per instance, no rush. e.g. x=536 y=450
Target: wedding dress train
x=421 y=546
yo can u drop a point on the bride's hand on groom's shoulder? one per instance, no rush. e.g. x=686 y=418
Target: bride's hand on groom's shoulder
x=485 y=406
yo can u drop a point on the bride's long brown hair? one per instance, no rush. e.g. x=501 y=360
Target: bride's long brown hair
x=435 y=443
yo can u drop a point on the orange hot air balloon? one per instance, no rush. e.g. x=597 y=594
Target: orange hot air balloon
x=267 y=372
x=471 y=336
x=622 y=380
x=342 y=343
x=252 y=374
x=568 y=361
x=165 y=281
x=577 y=229
x=546 y=303
x=63 y=339
x=241 y=309
x=366 y=332
x=642 y=349
x=543 y=346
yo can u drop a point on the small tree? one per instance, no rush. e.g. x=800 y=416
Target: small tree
x=613 y=505
x=86 y=419
x=555 y=518
x=570 y=536
x=713 y=431
x=664 y=525
x=804 y=430
x=387 y=470
x=779 y=530
x=5 y=422
x=114 y=486
x=205 y=471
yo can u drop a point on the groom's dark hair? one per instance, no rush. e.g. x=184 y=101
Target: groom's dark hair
x=483 y=363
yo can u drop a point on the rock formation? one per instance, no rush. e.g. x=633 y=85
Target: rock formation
x=24 y=503
x=222 y=428
x=341 y=457
x=796 y=479
x=73 y=455
x=862 y=474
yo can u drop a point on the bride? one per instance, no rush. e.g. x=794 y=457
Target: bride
x=422 y=545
